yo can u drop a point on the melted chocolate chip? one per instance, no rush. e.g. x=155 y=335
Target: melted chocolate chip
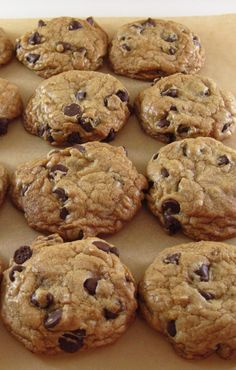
x=171 y=37
x=126 y=47
x=172 y=51
x=86 y=123
x=208 y=296
x=172 y=92
x=149 y=23
x=203 y=272
x=82 y=50
x=22 y=254
x=225 y=127
x=81 y=235
x=163 y=123
x=115 y=251
x=109 y=315
x=164 y=172
x=182 y=129
x=59 y=167
x=3 y=126
x=123 y=95
x=74 y=25
x=173 y=107
x=196 y=41
x=70 y=342
x=111 y=136
x=172 y=258
x=155 y=156
x=150 y=184
x=32 y=58
x=52 y=318
x=61 y=194
x=64 y=213
x=170 y=206
x=171 y=224
x=171 y=328
x=90 y=20
x=90 y=285
x=48 y=301
x=169 y=137
x=222 y=160
x=74 y=138
x=13 y=270
x=41 y=23
x=105 y=247
x=80 y=95
x=185 y=150
x=63 y=46
x=34 y=39
x=72 y=110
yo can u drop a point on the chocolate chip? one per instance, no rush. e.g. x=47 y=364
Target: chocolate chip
x=196 y=41
x=123 y=95
x=32 y=58
x=74 y=25
x=203 y=272
x=149 y=23
x=63 y=46
x=172 y=258
x=3 y=126
x=172 y=92
x=171 y=224
x=105 y=247
x=18 y=45
x=185 y=150
x=172 y=51
x=80 y=148
x=223 y=160
x=48 y=301
x=13 y=270
x=81 y=235
x=155 y=156
x=61 y=194
x=173 y=107
x=80 y=95
x=111 y=136
x=126 y=47
x=74 y=138
x=24 y=189
x=72 y=110
x=70 y=342
x=163 y=123
x=22 y=254
x=90 y=285
x=115 y=251
x=171 y=37
x=208 y=296
x=41 y=23
x=41 y=130
x=50 y=138
x=52 y=318
x=90 y=20
x=82 y=50
x=207 y=92
x=169 y=137
x=109 y=315
x=64 y=213
x=170 y=206
x=164 y=172
x=34 y=39
x=150 y=184
x=182 y=129
x=171 y=328
x=225 y=127
x=86 y=123
x=59 y=167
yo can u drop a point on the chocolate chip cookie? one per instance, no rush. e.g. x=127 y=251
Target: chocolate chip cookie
x=11 y=105
x=81 y=191
x=67 y=297
x=77 y=106
x=192 y=188
x=62 y=44
x=3 y=183
x=188 y=294
x=6 y=48
x=154 y=48
x=181 y=106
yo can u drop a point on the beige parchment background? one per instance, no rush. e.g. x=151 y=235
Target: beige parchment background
x=140 y=348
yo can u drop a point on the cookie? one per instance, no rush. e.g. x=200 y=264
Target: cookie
x=67 y=297
x=3 y=183
x=11 y=105
x=188 y=294
x=6 y=48
x=181 y=106
x=153 y=48
x=77 y=106
x=81 y=191
x=192 y=188
x=62 y=44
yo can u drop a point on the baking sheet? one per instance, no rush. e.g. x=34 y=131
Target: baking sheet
x=140 y=347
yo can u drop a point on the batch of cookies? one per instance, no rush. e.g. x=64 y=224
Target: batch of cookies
x=69 y=291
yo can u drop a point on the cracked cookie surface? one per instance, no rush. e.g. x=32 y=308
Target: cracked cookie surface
x=188 y=294
x=153 y=48
x=62 y=44
x=11 y=105
x=81 y=191
x=77 y=106
x=6 y=48
x=181 y=106
x=3 y=183
x=67 y=297
x=192 y=188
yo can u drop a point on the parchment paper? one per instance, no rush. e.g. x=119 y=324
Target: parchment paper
x=140 y=348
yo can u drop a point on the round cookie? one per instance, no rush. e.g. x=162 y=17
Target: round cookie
x=11 y=105
x=62 y=44
x=6 y=48
x=188 y=294
x=77 y=192
x=154 y=48
x=181 y=106
x=67 y=297
x=77 y=106
x=3 y=183
x=192 y=188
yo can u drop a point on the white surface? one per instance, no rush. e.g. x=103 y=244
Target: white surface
x=103 y=8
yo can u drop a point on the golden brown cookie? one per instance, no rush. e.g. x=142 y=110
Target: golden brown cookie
x=3 y=183
x=6 y=48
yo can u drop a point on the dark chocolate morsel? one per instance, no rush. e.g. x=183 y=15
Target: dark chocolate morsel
x=22 y=254
x=171 y=328
x=52 y=318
